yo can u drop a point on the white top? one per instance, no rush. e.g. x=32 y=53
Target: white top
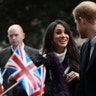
x=61 y=56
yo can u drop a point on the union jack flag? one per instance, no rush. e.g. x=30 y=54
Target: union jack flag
x=26 y=73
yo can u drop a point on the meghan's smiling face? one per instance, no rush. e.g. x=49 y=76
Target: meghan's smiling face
x=60 y=37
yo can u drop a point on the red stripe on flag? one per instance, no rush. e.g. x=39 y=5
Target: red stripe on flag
x=24 y=71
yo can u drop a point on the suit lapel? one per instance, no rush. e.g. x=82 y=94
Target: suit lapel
x=93 y=57
x=85 y=56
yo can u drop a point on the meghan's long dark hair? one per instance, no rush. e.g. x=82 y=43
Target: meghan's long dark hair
x=72 y=48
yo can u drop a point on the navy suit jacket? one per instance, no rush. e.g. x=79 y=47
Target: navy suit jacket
x=87 y=81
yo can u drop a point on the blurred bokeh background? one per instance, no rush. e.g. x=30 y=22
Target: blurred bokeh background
x=34 y=16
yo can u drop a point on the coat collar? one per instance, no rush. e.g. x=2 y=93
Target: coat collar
x=93 y=57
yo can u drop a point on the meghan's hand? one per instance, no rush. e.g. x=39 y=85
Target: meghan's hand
x=72 y=75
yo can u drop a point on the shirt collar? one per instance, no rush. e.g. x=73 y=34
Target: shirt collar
x=93 y=41
x=14 y=49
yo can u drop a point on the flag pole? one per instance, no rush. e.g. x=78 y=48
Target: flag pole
x=3 y=72
x=9 y=89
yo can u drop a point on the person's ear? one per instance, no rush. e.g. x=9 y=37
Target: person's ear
x=82 y=20
x=23 y=35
